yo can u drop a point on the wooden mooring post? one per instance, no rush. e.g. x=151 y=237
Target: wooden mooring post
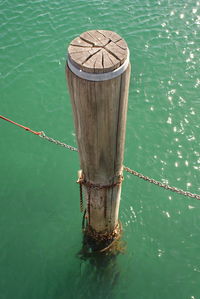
x=98 y=73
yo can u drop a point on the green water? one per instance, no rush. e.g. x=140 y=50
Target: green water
x=40 y=222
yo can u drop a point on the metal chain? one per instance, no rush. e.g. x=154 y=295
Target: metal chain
x=81 y=198
x=99 y=186
x=165 y=186
x=42 y=135
x=129 y=170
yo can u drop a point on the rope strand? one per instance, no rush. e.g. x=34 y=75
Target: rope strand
x=25 y=128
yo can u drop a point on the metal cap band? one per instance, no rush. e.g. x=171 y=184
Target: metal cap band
x=99 y=76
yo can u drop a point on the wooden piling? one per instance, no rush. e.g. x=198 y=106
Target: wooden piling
x=98 y=73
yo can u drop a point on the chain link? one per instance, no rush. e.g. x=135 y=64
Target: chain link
x=162 y=185
x=74 y=149
x=129 y=170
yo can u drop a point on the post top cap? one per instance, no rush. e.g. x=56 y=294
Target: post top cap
x=98 y=51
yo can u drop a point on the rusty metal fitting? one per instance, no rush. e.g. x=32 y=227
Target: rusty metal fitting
x=81 y=180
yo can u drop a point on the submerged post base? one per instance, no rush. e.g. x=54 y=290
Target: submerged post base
x=102 y=242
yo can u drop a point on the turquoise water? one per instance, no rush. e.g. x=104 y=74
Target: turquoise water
x=40 y=222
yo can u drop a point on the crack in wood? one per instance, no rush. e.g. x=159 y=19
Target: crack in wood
x=90 y=56
x=87 y=41
x=101 y=50
x=113 y=54
x=80 y=46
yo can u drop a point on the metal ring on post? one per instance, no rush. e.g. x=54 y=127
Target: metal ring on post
x=100 y=76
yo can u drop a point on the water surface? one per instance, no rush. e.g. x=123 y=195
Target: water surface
x=40 y=222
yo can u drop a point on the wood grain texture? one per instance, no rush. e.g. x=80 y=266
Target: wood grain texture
x=100 y=110
x=101 y=51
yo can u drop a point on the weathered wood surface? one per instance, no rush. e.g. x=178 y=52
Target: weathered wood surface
x=100 y=110
x=98 y=51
